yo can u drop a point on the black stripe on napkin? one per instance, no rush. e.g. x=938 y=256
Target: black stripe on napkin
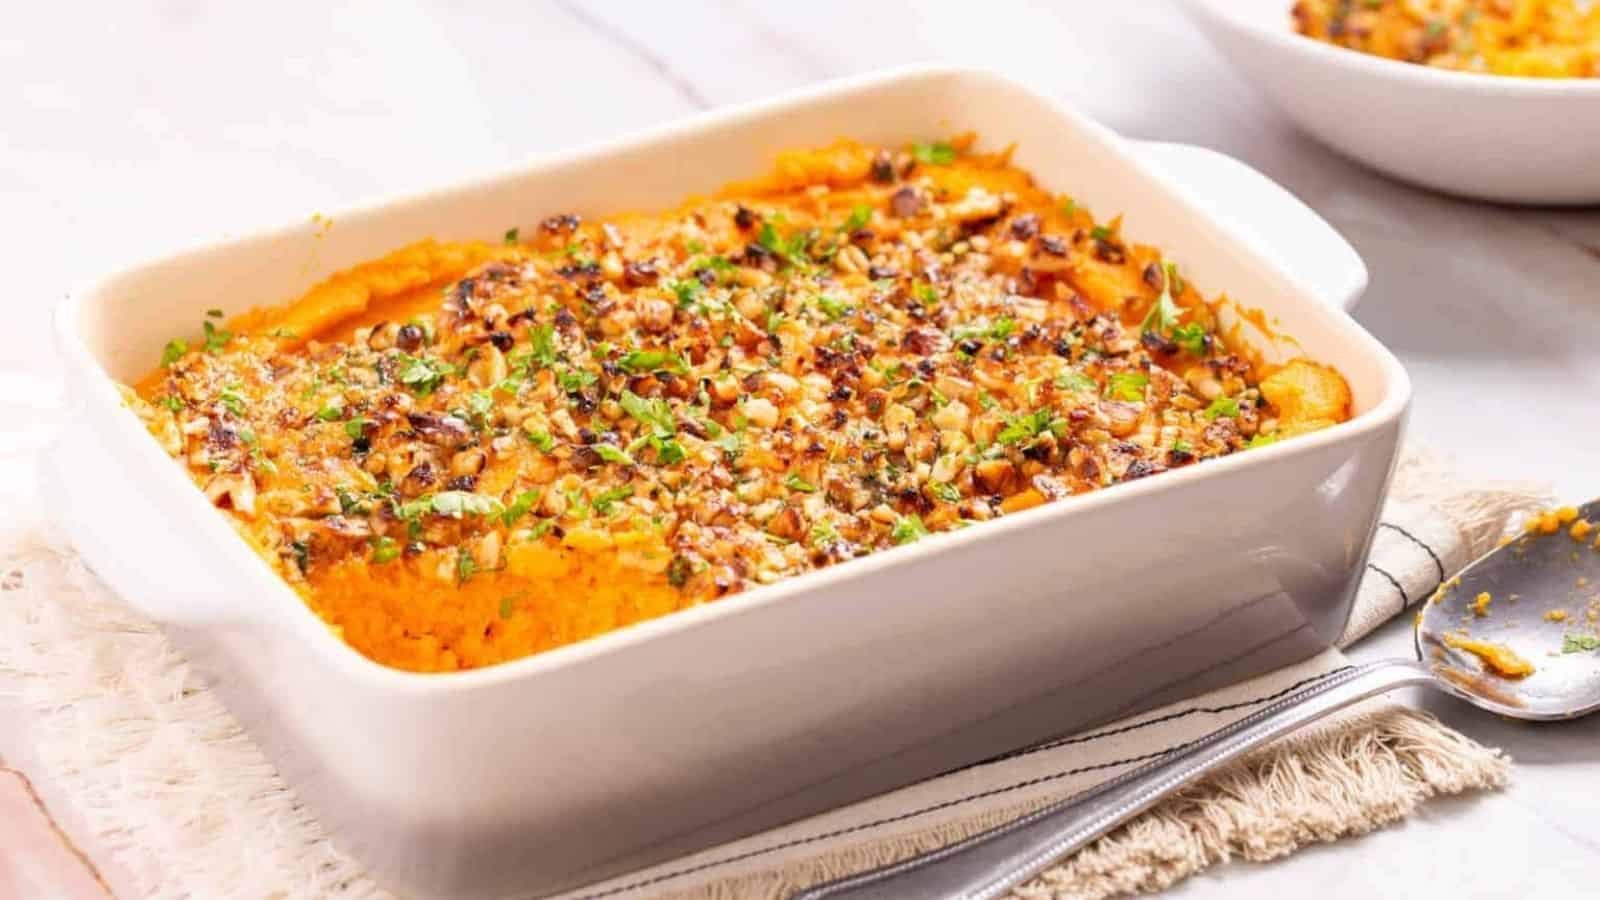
x=1404 y=600
x=981 y=795
x=1437 y=562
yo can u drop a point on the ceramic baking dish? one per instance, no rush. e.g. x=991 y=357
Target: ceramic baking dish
x=595 y=758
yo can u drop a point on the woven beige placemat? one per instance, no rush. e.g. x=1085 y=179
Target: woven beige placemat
x=181 y=800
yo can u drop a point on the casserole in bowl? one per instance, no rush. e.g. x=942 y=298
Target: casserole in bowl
x=1490 y=137
x=600 y=756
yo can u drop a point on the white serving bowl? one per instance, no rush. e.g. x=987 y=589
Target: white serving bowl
x=709 y=724
x=1489 y=137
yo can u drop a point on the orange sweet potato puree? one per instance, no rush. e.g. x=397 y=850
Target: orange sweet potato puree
x=464 y=453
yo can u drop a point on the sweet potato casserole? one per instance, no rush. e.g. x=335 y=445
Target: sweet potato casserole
x=461 y=454
x=1530 y=38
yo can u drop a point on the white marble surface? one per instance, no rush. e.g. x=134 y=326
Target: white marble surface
x=132 y=128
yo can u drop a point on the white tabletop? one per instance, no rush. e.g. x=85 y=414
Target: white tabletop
x=128 y=131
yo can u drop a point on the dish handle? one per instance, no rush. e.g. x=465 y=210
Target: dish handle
x=151 y=570
x=1268 y=214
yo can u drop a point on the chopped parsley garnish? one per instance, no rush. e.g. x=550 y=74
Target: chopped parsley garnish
x=687 y=291
x=926 y=294
x=859 y=217
x=834 y=309
x=1191 y=337
x=542 y=345
x=792 y=249
x=1223 y=406
x=1164 y=313
x=329 y=413
x=508 y=605
x=638 y=361
x=1077 y=382
x=1579 y=643
x=520 y=506
x=230 y=400
x=356 y=428
x=216 y=338
x=653 y=412
x=542 y=440
x=945 y=491
x=385 y=549
x=423 y=375
x=1181 y=446
x=174 y=351
x=603 y=501
x=455 y=505
x=512 y=234
x=823 y=534
x=1102 y=233
x=937 y=153
x=1026 y=427
x=574 y=380
x=172 y=403
x=908 y=529
x=1069 y=207
x=796 y=483
x=1127 y=386
x=997 y=330
x=613 y=454
x=1262 y=440
x=466 y=566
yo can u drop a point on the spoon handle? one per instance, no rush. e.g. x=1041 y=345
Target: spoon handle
x=987 y=865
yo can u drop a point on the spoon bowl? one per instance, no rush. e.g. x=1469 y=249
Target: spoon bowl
x=1516 y=633
x=1543 y=604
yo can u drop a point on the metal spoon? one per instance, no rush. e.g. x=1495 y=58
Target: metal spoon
x=1544 y=600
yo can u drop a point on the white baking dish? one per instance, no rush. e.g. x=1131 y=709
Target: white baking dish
x=667 y=736
x=1511 y=140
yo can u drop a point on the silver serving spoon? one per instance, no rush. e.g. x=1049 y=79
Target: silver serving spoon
x=1543 y=606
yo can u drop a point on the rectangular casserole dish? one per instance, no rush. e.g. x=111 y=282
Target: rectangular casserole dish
x=596 y=758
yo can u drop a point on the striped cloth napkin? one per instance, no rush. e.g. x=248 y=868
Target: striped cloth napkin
x=181 y=803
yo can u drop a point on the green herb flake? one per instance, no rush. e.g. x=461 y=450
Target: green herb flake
x=174 y=351
x=859 y=217
x=945 y=491
x=937 y=153
x=834 y=309
x=1223 y=406
x=1262 y=440
x=520 y=506
x=796 y=483
x=1191 y=337
x=458 y=504
x=1102 y=233
x=654 y=413
x=512 y=235
x=1026 y=427
x=508 y=605
x=1579 y=643
x=423 y=375
x=1127 y=386
x=1077 y=382
x=639 y=361
x=603 y=501
x=908 y=529
x=356 y=428
x=613 y=454
x=466 y=566
x=216 y=338
x=385 y=549
x=231 y=400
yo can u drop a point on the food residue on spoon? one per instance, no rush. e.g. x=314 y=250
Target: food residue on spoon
x=1480 y=604
x=1556 y=615
x=1497 y=658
